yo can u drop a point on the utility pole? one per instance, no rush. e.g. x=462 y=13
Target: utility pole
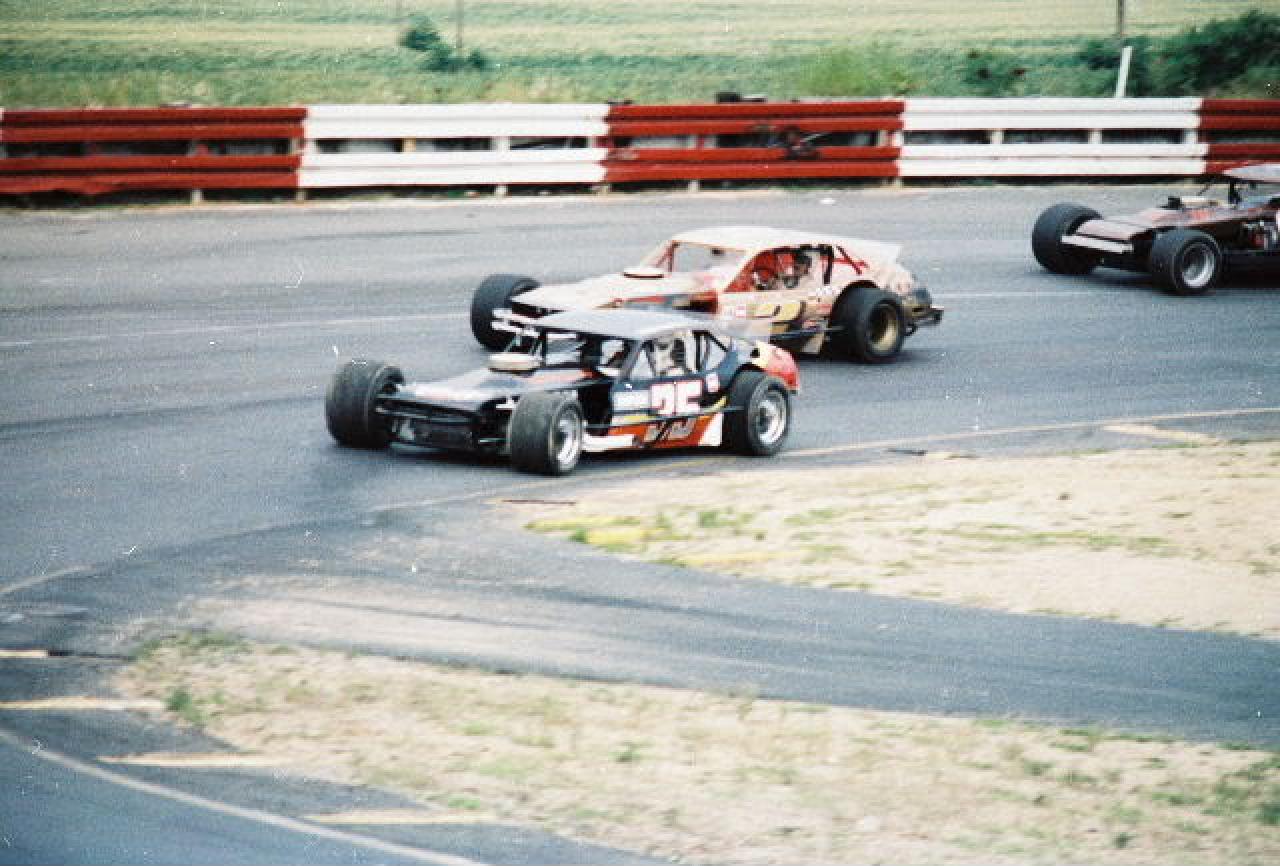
x=459 y=15
x=1119 y=19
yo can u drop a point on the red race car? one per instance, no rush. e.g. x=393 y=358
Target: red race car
x=1186 y=244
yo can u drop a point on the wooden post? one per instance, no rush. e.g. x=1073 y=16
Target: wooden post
x=460 y=15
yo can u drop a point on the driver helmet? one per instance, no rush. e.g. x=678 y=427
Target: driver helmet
x=669 y=355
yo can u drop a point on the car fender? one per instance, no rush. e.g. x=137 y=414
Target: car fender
x=777 y=362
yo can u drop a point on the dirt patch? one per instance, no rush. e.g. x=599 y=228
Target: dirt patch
x=1182 y=536
x=722 y=778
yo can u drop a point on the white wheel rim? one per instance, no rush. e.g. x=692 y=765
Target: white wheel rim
x=1197 y=266
x=566 y=439
x=771 y=417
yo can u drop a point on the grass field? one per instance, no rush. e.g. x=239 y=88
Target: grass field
x=253 y=52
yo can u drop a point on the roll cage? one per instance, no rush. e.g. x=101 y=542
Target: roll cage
x=735 y=269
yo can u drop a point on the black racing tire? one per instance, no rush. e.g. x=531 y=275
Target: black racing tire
x=1185 y=261
x=868 y=325
x=758 y=415
x=546 y=433
x=1048 y=232
x=351 y=400
x=493 y=294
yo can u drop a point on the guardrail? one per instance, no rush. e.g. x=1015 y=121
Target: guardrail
x=1240 y=131
x=452 y=145
x=94 y=151
x=753 y=141
x=1051 y=138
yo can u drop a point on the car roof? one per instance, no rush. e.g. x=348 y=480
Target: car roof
x=754 y=239
x=628 y=324
x=1263 y=173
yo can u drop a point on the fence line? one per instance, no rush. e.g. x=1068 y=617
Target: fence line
x=96 y=151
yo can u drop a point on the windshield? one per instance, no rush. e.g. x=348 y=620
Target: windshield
x=686 y=258
x=564 y=349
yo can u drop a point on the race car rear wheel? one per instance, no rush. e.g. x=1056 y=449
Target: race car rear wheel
x=869 y=325
x=1185 y=261
x=546 y=433
x=493 y=294
x=351 y=400
x=758 y=416
x=1048 y=232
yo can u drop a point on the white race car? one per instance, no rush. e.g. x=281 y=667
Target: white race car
x=805 y=291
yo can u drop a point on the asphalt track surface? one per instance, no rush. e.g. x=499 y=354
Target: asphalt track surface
x=161 y=440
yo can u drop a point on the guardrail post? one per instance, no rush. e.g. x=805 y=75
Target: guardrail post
x=197 y=148
x=896 y=138
x=502 y=144
x=695 y=142
x=300 y=147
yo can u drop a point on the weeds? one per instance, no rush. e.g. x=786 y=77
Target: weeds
x=696 y=771
x=182 y=704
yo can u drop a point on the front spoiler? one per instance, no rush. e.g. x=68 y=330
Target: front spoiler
x=930 y=317
x=1114 y=248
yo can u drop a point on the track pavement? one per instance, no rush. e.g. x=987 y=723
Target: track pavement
x=161 y=439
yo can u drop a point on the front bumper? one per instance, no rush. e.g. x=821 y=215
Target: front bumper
x=432 y=426
x=921 y=309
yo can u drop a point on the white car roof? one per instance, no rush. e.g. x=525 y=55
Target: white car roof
x=754 y=239
x=626 y=323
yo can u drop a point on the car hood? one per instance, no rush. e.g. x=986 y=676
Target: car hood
x=603 y=291
x=472 y=390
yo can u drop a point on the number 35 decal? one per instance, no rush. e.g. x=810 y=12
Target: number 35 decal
x=676 y=398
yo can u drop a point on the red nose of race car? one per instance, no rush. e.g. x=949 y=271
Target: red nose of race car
x=783 y=365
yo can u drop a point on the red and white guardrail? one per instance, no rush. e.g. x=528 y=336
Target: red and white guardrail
x=95 y=151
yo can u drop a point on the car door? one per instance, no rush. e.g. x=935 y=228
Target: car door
x=663 y=404
x=774 y=294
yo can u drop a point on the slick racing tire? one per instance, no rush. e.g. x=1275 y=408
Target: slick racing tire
x=1047 y=234
x=869 y=326
x=546 y=433
x=1186 y=262
x=758 y=417
x=494 y=294
x=350 y=403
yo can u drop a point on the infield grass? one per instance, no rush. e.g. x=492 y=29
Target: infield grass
x=254 y=52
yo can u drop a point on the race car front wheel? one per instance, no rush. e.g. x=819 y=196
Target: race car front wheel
x=350 y=403
x=869 y=325
x=494 y=294
x=1185 y=261
x=546 y=433
x=1046 y=239
x=758 y=416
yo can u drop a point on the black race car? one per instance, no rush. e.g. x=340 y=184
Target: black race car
x=1186 y=244
x=589 y=380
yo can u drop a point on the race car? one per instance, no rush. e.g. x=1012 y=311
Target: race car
x=809 y=291
x=1186 y=244
x=581 y=381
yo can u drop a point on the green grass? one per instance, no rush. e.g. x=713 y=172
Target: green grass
x=181 y=703
x=257 y=52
